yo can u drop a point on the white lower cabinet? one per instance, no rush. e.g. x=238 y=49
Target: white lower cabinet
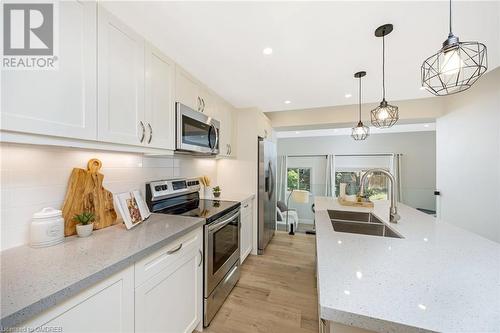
x=160 y=293
x=246 y=237
x=105 y=307
x=170 y=301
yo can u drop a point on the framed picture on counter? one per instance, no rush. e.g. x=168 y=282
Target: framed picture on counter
x=131 y=207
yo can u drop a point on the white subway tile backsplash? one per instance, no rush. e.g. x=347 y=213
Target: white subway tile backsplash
x=34 y=177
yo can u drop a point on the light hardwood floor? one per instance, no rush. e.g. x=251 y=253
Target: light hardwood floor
x=276 y=292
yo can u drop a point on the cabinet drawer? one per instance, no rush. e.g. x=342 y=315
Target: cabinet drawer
x=166 y=256
x=246 y=207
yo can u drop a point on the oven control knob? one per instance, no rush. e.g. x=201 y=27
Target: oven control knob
x=164 y=187
x=158 y=188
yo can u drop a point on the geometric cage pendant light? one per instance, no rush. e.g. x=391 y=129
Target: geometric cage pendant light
x=384 y=115
x=455 y=67
x=360 y=131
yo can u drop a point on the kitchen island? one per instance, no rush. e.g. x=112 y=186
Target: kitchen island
x=437 y=278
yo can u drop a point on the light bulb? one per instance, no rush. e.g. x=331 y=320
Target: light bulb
x=359 y=130
x=452 y=63
x=382 y=114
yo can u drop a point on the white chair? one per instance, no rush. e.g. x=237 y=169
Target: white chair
x=293 y=218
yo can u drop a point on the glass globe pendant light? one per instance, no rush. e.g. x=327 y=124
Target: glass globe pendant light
x=384 y=115
x=455 y=67
x=360 y=131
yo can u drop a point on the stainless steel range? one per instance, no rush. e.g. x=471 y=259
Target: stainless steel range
x=222 y=235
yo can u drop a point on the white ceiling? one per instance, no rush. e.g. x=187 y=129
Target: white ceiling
x=317 y=45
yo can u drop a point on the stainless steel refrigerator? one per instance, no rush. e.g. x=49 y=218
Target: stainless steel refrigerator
x=267 y=193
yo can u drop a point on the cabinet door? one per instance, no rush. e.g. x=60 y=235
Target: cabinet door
x=227 y=124
x=246 y=239
x=120 y=81
x=105 y=307
x=160 y=115
x=171 y=301
x=208 y=103
x=61 y=102
x=187 y=89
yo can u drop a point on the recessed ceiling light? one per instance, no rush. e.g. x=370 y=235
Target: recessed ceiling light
x=347 y=95
x=422 y=307
x=297 y=132
x=267 y=51
x=347 y=292
x=426 y=125
x=287 y=102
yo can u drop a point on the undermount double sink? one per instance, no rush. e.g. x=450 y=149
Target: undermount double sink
x=360 y=223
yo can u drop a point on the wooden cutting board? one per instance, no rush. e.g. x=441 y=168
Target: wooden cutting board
x=367 y=204
x=86 y=193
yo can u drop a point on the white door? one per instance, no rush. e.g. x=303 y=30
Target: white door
x=160 y=112
x=120 y=81
x=58 y=102
x=105 y=307
x=170 y=302
x=187 y=89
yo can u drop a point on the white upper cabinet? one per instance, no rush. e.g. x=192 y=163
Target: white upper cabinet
x=208 y=102
x=58 y=102
x=121 y=82
x=187 y=89
x=192 y=93
x=225 y=115
x=160 y=106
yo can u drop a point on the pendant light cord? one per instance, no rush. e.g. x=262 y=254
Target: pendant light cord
x=450 y=19
x=360 y=99
x=383 y=66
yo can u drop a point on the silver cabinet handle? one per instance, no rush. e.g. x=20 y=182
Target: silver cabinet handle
x=201 y=258
x=203 y=105
x=199 y=103
x=175 y=250
x=150 y=133
x=143 y=131
x=230 y=149
x=227 y=149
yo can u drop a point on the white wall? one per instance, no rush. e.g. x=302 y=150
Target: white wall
x=468 y=158
x=418 y=162
x=33 y=177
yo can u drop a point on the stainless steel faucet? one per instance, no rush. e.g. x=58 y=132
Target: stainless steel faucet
x=394 y=217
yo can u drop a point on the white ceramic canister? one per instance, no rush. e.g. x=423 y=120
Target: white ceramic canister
x=47 y=228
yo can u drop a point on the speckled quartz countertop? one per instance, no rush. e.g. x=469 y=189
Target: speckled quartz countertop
x=438 y=278
x=33 y=280
x=240 y=197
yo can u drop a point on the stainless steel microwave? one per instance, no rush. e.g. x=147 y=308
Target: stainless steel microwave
x=195 y=131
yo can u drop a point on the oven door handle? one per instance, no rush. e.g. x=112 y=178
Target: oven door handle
x=219 y=225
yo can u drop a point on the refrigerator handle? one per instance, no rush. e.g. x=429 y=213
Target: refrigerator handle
x=270 y=185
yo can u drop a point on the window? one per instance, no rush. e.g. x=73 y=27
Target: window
x=376 y=187
x=299 y=179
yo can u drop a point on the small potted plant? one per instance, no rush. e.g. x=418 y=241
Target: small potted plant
x=216 y=191
x=85 y=226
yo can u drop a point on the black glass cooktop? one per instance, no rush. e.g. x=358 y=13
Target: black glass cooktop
x=208 y=209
